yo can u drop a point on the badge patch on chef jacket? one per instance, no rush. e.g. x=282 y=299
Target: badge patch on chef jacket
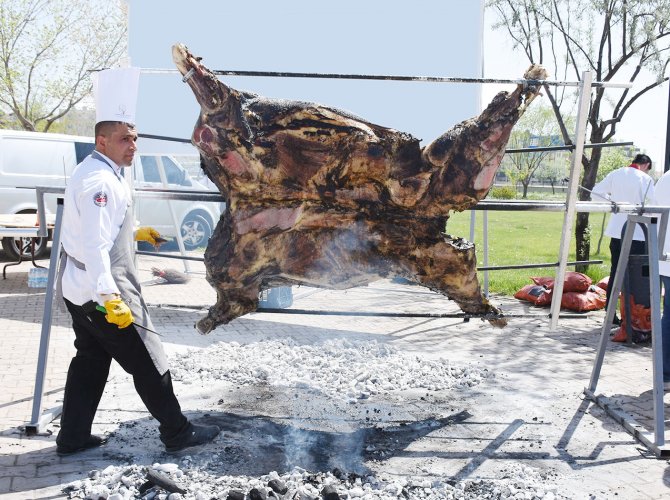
x=100 y=199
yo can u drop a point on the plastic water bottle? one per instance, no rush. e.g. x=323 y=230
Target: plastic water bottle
x=32 y=277
x=38 y=277
x=42 y=277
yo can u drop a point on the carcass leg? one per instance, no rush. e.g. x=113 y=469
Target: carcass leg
x=234 y=271
x=230 y=304
x=449 y=267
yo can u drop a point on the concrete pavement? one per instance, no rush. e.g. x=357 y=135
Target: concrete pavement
x=531 y=411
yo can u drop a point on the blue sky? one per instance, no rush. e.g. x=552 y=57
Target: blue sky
x=424 y=37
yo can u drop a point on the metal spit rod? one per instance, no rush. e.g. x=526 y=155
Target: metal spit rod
x=384 y=314
x=414 y=315
x=402 y=78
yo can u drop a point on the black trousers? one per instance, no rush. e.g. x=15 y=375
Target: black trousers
x=97 y=343
x=637 y=247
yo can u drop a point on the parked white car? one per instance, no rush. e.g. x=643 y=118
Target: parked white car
x=31 y=159
x=195 y=219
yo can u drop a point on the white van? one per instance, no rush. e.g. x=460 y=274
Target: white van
x=30 y=159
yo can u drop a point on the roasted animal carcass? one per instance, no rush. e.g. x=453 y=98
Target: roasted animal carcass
x=319 y=197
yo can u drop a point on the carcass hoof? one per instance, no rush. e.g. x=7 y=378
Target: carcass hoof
x=495 y=317
x=205 y=325
x=498 y=322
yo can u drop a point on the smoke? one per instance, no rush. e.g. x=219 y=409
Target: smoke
x=320 y=434
x=323 y=451
x=349 y=257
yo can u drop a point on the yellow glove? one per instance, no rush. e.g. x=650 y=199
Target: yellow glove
x=148 y=234
x=118 y=313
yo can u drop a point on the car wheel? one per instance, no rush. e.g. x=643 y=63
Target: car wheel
x=20 y=247
x=195 y=231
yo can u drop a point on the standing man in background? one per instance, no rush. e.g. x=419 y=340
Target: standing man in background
x=97 y=272
x=631 y=184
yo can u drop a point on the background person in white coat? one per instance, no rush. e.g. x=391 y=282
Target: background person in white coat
x=630 y=184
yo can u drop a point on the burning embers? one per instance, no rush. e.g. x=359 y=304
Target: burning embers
x=319 y=197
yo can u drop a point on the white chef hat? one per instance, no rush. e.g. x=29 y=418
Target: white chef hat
x=115 y=92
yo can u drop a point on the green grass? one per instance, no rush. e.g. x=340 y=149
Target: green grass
x=526 y=238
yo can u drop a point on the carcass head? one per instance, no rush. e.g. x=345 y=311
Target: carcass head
x=467 y=157
x=203 y=82
x=221 y=126
x=500 y=117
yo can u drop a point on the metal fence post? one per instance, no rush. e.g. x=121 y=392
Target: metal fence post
x=568 y=221
x=38 y=419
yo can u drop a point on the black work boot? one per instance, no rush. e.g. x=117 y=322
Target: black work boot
x=93 y=441
x=196 y=435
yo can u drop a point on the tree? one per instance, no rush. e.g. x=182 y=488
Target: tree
x=536 y=128
x=48 y=49
x=613 y=158
x=614 y=39
x=78 y=121
x=555 y=170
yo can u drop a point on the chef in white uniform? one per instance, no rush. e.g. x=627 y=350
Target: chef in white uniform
x=97 y=274
x=630 y=184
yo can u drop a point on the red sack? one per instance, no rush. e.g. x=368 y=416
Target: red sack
x=574 y=282
x=543 y=281
x=640 y=323
x=536 y=294
x=604 y=283
x=640 y=315
x=591 y=300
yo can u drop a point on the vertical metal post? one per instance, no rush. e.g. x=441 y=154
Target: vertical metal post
x=485 y=221
x=655 y=238
x=129 y=176
x=626 y=243
x=666 y=166
x=568 y=221
x=173 y=215
x=479 y=108
x=473 y=220
x=656 y=330
x=35 y=423
x=485 y=243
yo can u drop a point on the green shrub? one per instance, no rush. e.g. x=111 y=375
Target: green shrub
x=502 y=193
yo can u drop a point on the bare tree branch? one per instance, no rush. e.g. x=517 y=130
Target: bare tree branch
x=634 y=39
x=634 y=98
x=47 y=49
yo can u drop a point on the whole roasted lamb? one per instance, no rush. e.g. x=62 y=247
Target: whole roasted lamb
x=319 y=197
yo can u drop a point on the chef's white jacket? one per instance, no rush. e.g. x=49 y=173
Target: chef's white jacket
x=626 y=184
x=97 y=198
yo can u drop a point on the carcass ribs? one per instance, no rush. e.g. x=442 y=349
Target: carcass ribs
x=320 y=197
